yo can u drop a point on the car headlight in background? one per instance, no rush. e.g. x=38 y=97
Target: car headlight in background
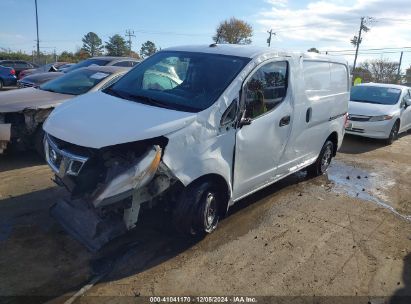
x=381 y=118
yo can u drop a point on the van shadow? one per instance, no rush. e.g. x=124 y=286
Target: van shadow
x=154 y=241
x=18 y=160
x=358 y=145
x=403 y=295
x=29 y=236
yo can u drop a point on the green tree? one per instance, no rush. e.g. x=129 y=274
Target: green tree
x=116 y=46
x=313 y=50
x=233 y=31
x=92 y=44
x=148 y=48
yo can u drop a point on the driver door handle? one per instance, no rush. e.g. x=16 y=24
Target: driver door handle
x=285 y=121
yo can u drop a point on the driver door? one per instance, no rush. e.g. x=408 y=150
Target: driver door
x=266 y=126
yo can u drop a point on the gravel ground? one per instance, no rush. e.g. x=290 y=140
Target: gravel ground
x=347 y=233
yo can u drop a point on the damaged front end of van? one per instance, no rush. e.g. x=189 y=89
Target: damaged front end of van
x=108 y=186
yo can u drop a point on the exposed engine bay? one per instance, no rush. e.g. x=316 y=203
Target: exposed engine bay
x=22 y=130
x=108 y=186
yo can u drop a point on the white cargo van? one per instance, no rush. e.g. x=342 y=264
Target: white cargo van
x=196 y=127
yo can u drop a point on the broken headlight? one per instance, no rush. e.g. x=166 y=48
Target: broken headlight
x=136 y=176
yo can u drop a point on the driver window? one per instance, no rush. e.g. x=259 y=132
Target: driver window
x=266 y=89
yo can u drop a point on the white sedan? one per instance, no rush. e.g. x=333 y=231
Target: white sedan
x=379 y=111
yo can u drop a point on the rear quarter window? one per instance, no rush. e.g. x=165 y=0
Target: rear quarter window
x=325 y=78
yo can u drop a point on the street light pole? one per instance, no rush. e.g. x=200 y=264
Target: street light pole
x=37 y=27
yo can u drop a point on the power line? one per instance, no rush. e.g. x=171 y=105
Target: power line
x=377 y=49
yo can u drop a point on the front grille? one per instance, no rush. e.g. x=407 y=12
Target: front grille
x=353 y=117
x=22 y=84
x=61 y=161
x=357 y=130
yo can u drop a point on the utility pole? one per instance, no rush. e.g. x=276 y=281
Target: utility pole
x=399 y=67
x=358 y=44
x=37 y=27
x=358 y=39
x=217 y=40
x=129 y=34
x=270 y=32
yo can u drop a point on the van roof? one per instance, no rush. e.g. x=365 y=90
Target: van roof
x=251 y=51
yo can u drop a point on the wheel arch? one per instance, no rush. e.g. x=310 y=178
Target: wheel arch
x=222 y=185
x=333 y=137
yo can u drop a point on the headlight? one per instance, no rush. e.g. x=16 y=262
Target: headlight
x=381 y=118
x=137 y=176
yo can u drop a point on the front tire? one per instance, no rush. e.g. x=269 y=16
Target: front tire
x=38 y=141
x=393 y=134
x=323 y=161
x=197 y=211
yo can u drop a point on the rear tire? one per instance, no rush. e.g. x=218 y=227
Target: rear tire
x=323 y=161
x=197 y=210
x=393 y=134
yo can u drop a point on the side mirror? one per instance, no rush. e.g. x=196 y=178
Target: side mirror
x=407 y=101
x=245 y=121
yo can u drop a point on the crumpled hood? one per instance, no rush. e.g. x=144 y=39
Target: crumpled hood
x=29 y=98
x=369 y=109
x=97 y=120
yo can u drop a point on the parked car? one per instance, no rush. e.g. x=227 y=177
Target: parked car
x=18 y=65
x=240 y=118
x=379 y=111
x=65 y=66
x=22 y=112
x=38 y=79
x=7 y=77
x=49 y=67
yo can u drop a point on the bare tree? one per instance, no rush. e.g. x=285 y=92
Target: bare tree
x=382 y=70
x=234 y=31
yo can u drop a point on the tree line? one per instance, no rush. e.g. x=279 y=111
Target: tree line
x=232 y=31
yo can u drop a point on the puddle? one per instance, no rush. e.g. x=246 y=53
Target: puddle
x=362 y=184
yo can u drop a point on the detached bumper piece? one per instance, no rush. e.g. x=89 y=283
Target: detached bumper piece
x=5 y=132
x=83 y=223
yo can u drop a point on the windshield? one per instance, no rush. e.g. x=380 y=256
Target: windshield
x=181 y=81
x=86 y=63
x=75 y=83
x=376 y=95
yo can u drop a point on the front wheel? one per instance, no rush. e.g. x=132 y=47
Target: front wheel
x=323 y=161
x=393 y=134
x=197 y=211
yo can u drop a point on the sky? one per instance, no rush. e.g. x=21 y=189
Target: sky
x=299 y=25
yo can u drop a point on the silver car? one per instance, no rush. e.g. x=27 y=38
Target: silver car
x=22 y=112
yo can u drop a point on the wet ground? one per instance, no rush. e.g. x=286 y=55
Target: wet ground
x=344 y=234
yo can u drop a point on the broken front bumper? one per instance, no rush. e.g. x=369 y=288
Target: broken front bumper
x=90 y=220
x=5 y=134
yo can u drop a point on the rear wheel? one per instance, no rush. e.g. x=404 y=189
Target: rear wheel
x=197 y=211
x=323 y=161
x=393 y=134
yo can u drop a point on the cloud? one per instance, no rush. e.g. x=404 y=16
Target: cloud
x=333 y=23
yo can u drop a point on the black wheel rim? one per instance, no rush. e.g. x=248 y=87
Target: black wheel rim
x=394 y=131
